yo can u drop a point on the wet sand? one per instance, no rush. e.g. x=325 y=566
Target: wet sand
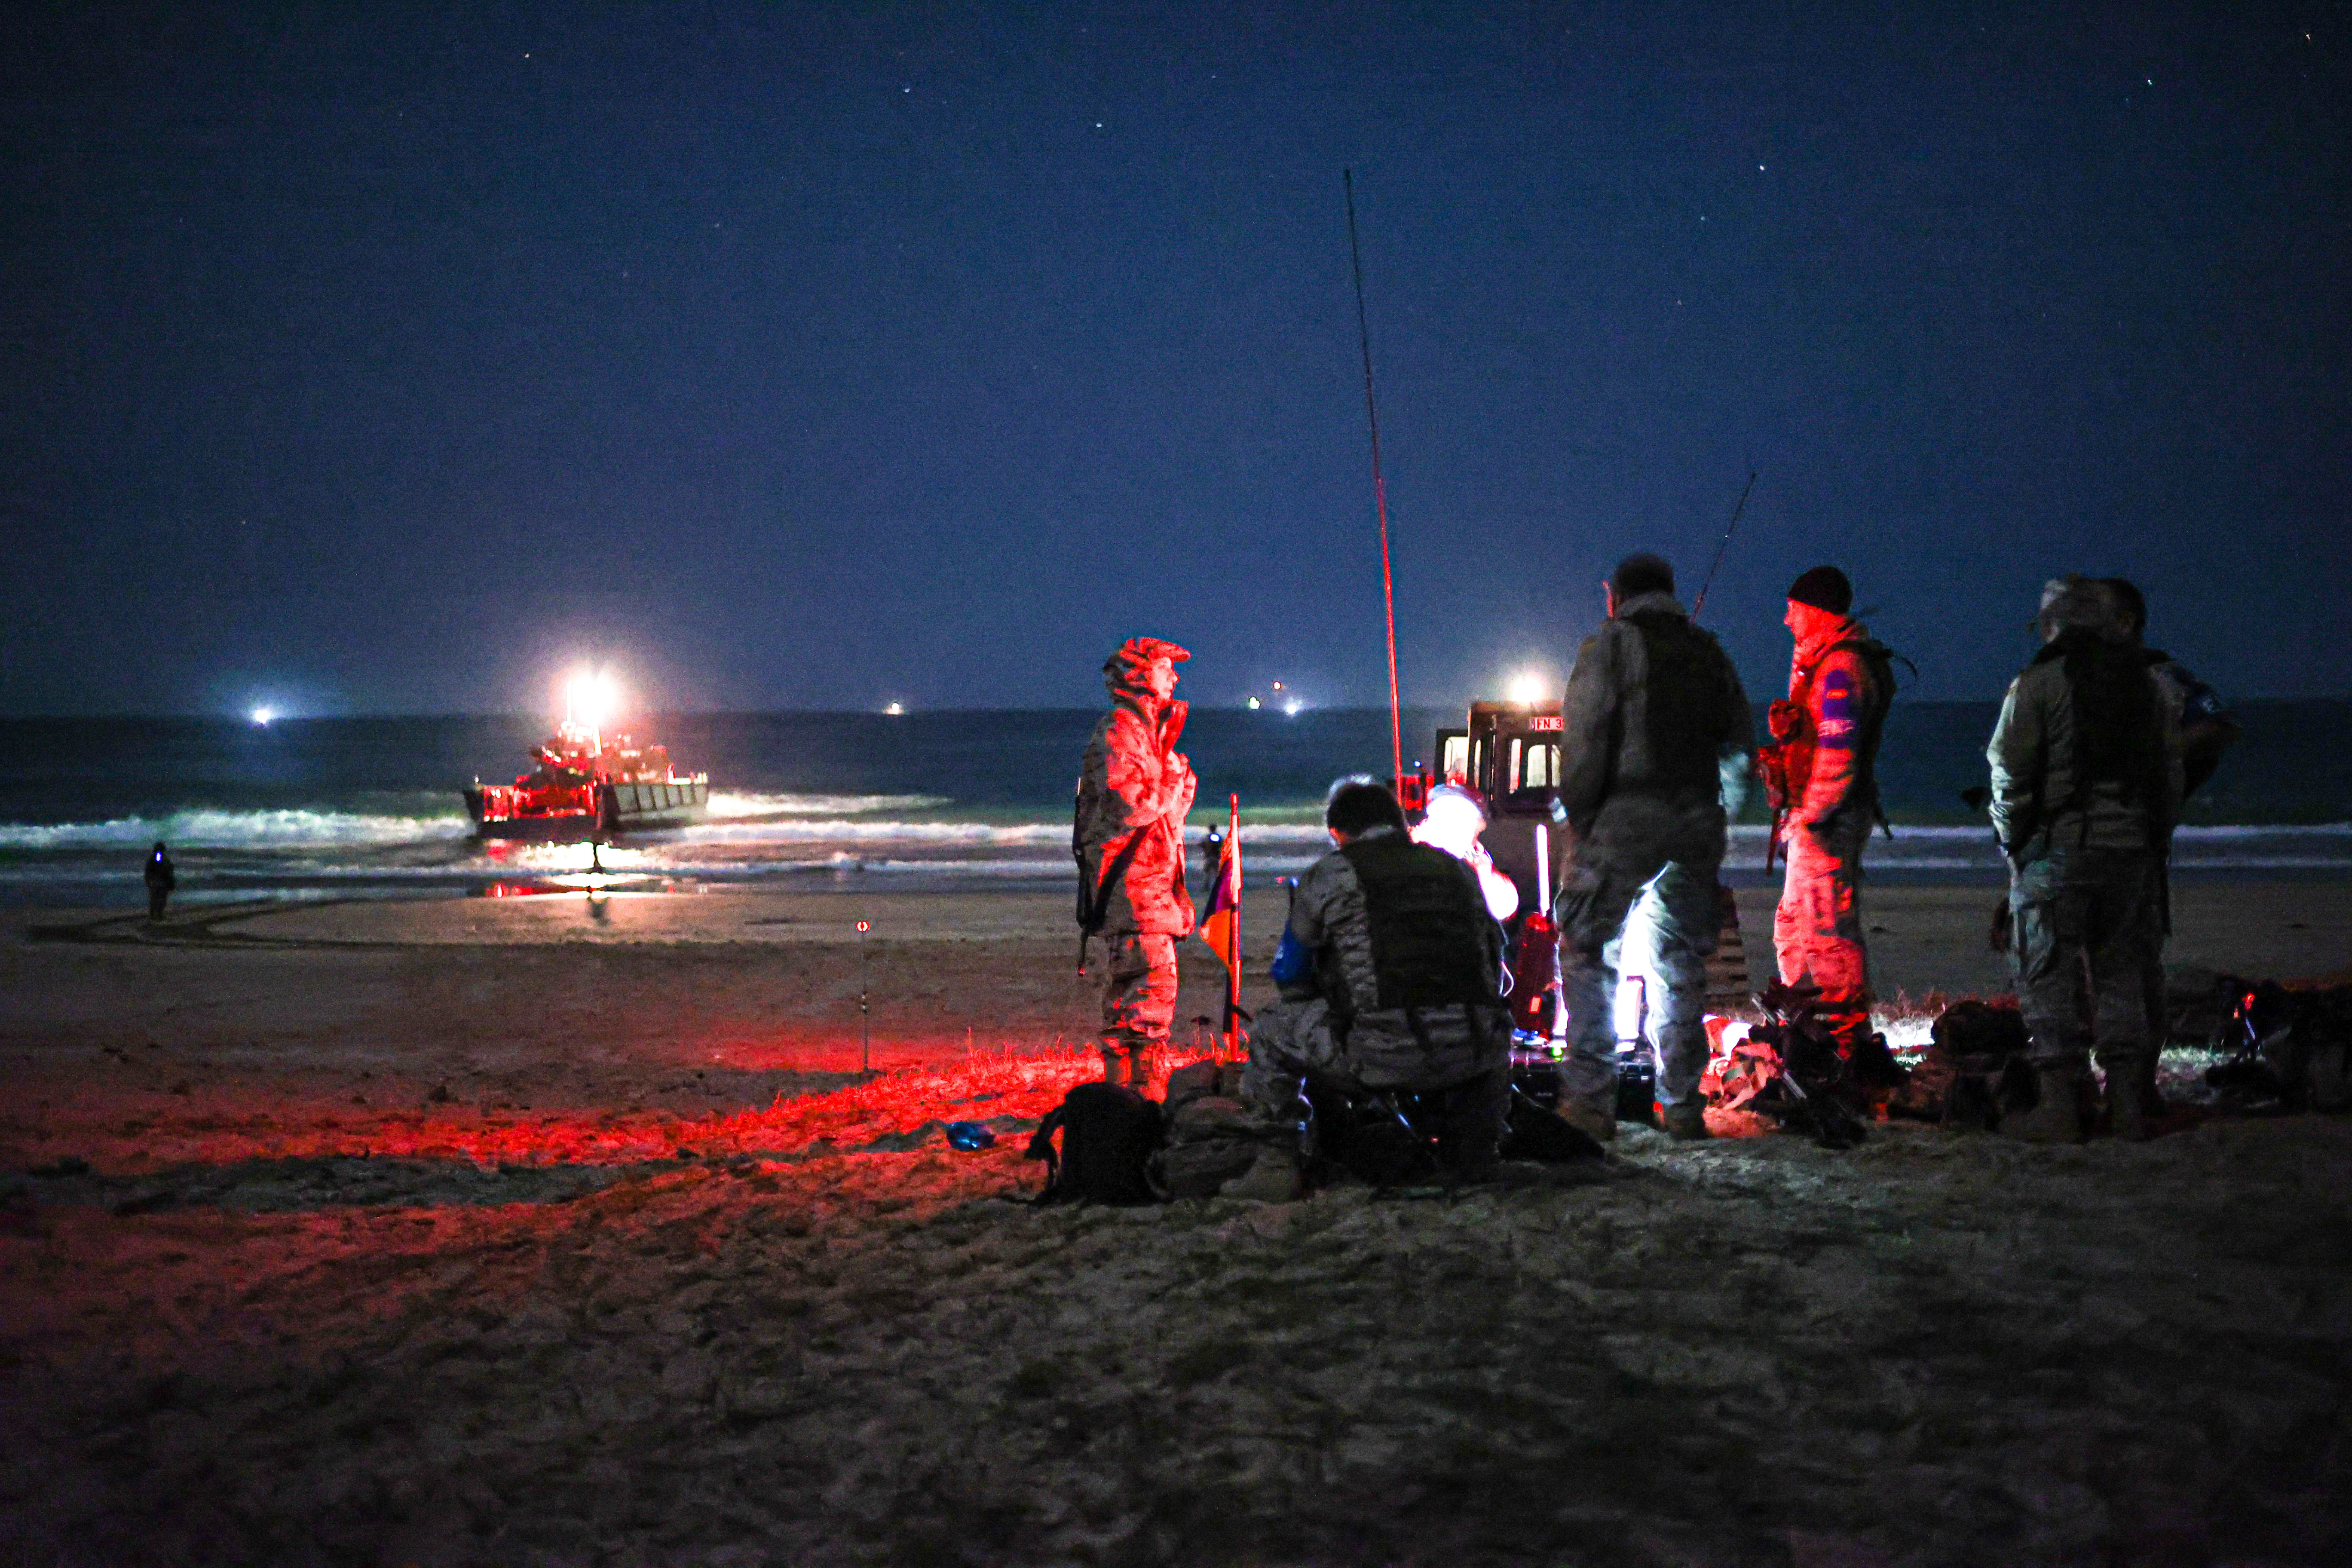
x=525 y=1230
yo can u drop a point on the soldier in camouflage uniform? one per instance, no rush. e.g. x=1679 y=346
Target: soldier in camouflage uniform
x=1655 y=736
x=1822 y=774
x=2205 y=729
x=1391 y=977
x=1134 y=790
x=2086 y=784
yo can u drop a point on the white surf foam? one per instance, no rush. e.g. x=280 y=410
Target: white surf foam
x=733 y=805
x=235 y=830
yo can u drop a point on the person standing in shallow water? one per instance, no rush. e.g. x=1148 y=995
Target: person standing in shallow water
x=1134 y=790
x=160 y=879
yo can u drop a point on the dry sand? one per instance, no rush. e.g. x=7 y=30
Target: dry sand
x=522 y=1231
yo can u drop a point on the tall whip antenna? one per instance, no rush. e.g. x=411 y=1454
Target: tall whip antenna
x=1380 y=488
x=1700 y=603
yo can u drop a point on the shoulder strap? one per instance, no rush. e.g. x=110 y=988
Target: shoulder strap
x=1093 y=904
x=1041 y=1147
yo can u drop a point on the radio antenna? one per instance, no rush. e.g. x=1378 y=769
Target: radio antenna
x=1700 y=603
x=1380 y=488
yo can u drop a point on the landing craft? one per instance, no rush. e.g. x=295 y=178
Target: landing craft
x=587 y=788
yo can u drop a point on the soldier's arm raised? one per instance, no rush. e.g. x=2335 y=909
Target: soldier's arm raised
x=1139 y=774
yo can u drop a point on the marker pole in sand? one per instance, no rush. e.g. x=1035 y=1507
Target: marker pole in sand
x=1234 y=970
x=864 y=1017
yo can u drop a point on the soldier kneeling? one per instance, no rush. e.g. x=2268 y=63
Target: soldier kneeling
x=1391 y=979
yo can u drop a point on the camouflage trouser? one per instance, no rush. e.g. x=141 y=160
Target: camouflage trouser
x=1665 y=913
x=1817 y=925
x=1290 y=1040
x=1139 y=998
x=2089 y=929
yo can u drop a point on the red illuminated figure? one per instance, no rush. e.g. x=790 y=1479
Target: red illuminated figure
x=1134 y=790
x=1820 y=777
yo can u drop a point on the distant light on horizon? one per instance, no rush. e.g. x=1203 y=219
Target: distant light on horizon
x=262 y=716
x=1292 y=707
x=1254 y=704
x=895 y=710
x=1528 y=686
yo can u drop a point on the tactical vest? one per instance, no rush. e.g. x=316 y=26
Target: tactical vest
x=1879 y=660
x=2118 y=718
x=1689 y=702
x=1432 y=942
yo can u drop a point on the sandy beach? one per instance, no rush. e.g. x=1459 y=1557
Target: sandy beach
x=538 y=1230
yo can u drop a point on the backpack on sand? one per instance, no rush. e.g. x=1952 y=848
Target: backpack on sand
x=1109 y=1133
x=1213 y=1138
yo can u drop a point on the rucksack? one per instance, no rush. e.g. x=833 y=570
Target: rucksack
x=1981 y=1052
x=1109 y=1133
x=1211 y=1137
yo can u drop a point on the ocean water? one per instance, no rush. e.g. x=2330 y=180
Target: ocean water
x=342 y=807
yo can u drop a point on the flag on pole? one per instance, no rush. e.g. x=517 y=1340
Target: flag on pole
x=1220 y=925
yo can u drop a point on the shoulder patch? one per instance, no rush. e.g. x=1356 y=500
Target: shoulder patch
x=1836 y=728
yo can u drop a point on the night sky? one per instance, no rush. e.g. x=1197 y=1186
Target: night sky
x=388 y=358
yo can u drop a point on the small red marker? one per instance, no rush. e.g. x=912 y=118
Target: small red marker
x=863 y=928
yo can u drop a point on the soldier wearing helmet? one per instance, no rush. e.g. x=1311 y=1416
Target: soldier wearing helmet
x=1134 y=790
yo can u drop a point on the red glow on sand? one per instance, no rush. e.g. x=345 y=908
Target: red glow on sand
x=979 y=1087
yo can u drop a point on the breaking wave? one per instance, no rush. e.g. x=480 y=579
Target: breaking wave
x=237 y=830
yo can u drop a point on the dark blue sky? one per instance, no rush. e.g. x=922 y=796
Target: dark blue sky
x=386 y=358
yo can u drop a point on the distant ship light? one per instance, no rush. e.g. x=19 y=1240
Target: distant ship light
x=895 y=710
x=1255 y=704
x=262 y=716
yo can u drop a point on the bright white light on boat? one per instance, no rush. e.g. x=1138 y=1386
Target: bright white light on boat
x=262 y=716
x=1528 y=686
x=895 y=710
x=1292 y=707
x=590 y=697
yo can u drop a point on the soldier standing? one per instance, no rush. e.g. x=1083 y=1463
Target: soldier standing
x=2085 y=788
x=1654 y=740
x=1821 y=774
x=2202 y=724
x=1133 y=793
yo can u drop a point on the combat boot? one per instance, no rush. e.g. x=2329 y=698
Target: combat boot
x=1597 y=1123
x=1685 y=1121
x=1274 y=1178
x=2057 y=1114
x=2127 y=1102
